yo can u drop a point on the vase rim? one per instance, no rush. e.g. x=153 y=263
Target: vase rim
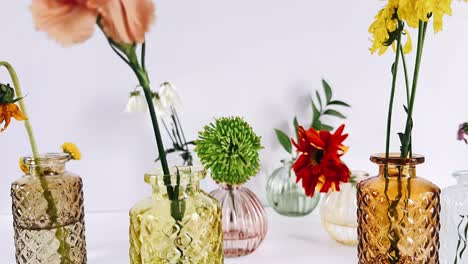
x=196 y=173
x=395 y=159
x=460 y=173
x=47 y=157
x=359 y=174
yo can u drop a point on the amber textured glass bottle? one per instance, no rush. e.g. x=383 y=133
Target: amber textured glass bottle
x=398 y=214
x=156 y=237
x=46 y=233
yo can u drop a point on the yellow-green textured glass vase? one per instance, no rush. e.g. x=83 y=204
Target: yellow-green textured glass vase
x=398 y=214
x=179 y=223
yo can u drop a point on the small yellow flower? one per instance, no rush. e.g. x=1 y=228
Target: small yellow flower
x=23 y=166
x=71 y=149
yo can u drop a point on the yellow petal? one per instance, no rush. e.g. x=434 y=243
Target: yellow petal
x=71 y=149
x=409 y=44
x=23 y=166
x=382 y=50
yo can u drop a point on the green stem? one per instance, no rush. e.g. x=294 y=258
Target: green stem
x=407 y=85
x=405 y=69
x=52 y=211
x=392 y=97
x=172 y=192
x=177 y=209
x=392 y=207
x=19 y=94
x=408 y=128
x=143 y=56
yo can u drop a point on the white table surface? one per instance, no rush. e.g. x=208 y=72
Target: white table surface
x=289 y=240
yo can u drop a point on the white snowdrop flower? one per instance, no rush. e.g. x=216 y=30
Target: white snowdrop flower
x=169 y=96
x=159 y=107
x=136 y=103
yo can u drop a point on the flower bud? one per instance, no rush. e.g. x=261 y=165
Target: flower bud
x=7 y=94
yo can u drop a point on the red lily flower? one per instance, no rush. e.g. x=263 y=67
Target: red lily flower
x=319 y=165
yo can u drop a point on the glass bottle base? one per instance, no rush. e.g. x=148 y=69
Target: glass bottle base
x=343 y=234
x=40 y=246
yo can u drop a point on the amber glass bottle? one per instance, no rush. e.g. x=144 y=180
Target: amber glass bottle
x=48 y=213
x=398 y=214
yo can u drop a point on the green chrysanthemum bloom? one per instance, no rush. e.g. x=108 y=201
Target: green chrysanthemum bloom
x=229 y=148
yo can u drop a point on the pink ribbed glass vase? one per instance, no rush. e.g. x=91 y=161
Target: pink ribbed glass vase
x=244 y=220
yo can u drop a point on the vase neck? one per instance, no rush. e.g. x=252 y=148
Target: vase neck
x=47 y=164
x=184 y=181
x=396 y=166
x=401 y=171
x=461 y=176
x=229 y=187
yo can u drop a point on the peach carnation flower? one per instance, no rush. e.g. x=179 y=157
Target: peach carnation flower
x=72 y=21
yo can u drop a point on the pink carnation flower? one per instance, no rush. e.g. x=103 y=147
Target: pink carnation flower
x=72 y=21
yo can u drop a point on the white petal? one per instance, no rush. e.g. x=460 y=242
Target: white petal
x=160 y=109
x=169 y=96
x=136 y=103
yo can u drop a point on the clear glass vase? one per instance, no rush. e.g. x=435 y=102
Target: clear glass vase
x=184 y=229
x=454 y=221
x=245 y=224
x=286 y=196
x=338 y=211
x=48 y=214
x=398 y=214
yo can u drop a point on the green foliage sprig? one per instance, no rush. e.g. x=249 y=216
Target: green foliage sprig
x=229 y=149
x=320 y=107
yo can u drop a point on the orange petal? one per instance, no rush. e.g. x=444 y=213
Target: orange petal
x=67 y=22
x=16 y=112
x=125 y=21
x=7 y=120
x=314 y=138
x=2 y=114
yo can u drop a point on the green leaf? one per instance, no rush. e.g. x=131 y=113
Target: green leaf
x=284 y=140
x=402 y=138
x=319 y=100
x=316 y=114
x=327 y=89
x=326 y=127
x=334 y=113
x=341 y=103
x=296 y=125
x=317 y=125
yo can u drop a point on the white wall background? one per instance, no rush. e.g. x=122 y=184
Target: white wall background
x=258 y=59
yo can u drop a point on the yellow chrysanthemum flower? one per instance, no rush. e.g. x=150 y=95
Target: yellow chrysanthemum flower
x=409 y=12
x=71 y=149
x=413 y=11
x=23 y=166
x=384 y=25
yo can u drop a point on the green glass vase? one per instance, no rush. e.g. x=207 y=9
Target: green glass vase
x=286 y=196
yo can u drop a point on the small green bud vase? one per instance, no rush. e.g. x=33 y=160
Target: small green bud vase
x=286 y=196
